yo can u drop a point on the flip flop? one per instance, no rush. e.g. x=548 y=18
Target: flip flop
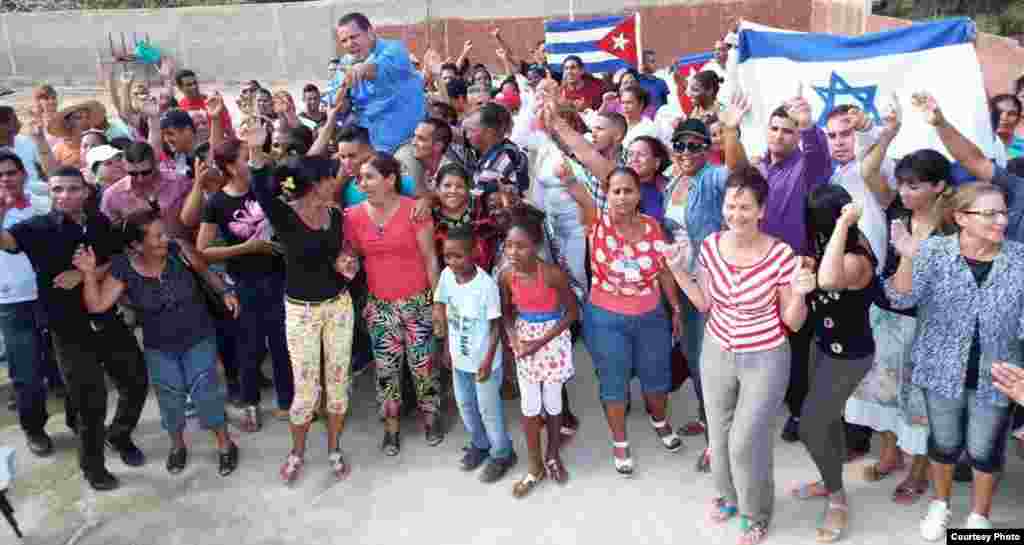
x=830 y=533
x=803 y=492
x=906 y=494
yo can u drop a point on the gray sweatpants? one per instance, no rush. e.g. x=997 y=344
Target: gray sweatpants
x=742 y=396
x=831 y=382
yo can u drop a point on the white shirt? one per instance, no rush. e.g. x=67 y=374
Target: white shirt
x=17 y=278
x=470 y=307
x=645 y=127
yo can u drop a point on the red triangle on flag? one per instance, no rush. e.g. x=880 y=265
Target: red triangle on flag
x=621 y=41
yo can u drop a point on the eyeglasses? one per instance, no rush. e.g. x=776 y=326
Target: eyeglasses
x=9 y=173
x=988 y=214
x=139 y=173
x=689 y=147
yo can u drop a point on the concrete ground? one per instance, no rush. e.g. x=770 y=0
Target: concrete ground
x=421 y=496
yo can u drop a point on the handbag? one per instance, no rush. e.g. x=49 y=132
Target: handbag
x=212 y=297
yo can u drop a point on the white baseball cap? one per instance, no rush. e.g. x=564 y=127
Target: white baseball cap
x=99 y=154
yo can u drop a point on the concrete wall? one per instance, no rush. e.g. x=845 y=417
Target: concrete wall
x=1002 y=59
x=293 y=41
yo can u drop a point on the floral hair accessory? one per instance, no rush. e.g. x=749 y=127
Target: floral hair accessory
x=288 y=184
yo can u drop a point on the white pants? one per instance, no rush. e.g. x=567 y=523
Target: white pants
x=534 y=396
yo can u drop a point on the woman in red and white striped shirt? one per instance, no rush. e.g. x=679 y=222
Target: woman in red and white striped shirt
x=752 y=286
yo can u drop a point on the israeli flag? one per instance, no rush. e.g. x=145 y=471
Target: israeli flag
x=869 y=71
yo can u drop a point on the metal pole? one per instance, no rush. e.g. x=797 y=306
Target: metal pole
x=572 y=10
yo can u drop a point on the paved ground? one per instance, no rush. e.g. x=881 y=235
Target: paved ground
x=421 y=496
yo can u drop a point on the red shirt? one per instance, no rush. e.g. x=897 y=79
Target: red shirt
x=199 y=104
x=590 y=92
x=395 y=267
x=625 y=274
x=744 y=315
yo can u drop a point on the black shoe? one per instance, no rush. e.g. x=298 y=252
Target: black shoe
x=497 y=468
x=177 y=459
x=101 y=480
x=265 y=383
x=473 y=458
x=391 y=445
x=963 y=473
x=59 y=391
x=227 y=461
x=39 y=443
x=435 y=431
x=130 y=454
x=791 y=431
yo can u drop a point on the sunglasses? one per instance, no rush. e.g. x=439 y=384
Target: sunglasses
x=689 y=147
x=139 y=173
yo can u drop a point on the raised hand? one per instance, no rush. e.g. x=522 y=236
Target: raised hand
x=800 y=111
x=166 y=68
x=253 y=133
x=496 y=33
x=850 y=214
x=84 y=260
x=467 y=47
x=733 y=115
x=925 y=103
x=501 y=53
x=432 y=62
x=901 y=239
x=893 y=115
x=215 y=105
x=805 y=281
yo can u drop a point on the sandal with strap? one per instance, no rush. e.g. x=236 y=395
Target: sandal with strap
x=623 y=465
x=874 y=473
x=291 y=468
x=722 y=510
x=250 y=421
x=692 y=429
x=526 y=484
x=556 y=470
x=908 y=494
x=670 y=440
x=833 y=523
x=704 y=461
x=753 y=532
x=339 y=466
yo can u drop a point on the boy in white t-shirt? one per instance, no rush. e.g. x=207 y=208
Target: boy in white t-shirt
x=467 y=299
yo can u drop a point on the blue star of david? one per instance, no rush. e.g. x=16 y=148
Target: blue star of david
x=837 y=87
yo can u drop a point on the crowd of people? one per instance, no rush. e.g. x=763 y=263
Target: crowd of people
x=460 y=235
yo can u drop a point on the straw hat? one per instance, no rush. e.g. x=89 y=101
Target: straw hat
x=95 y=112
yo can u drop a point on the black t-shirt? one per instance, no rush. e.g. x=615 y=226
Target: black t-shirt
x=980 y=270
x=50 y=242
x=240 y=219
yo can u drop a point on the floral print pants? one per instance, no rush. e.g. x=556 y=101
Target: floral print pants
x=308 y=326
x=402 y=332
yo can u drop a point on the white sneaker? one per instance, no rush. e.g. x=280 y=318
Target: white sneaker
x=977 y=522
x=935 y=522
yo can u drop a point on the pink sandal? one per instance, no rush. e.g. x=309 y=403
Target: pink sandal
x=291 y=468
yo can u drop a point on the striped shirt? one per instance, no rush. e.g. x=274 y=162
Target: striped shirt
x=744 y=315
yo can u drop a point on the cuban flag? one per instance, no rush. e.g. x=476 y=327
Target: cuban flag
x=870 y=71
x=689 y=65
x=605 y=44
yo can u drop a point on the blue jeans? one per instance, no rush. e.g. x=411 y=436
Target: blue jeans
x=21 y=337
x=483 y=412
x=178 y=375
x=693 y=338
x=967 y=424
x=623 y=346
x=261 y=326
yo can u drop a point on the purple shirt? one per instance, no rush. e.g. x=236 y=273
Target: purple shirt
x=120 y=200
x=790 y=181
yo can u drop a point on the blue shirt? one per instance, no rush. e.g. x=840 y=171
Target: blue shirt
x=703 y=205
x=391 y=105
x=1014 y=188
x=657 y=90
x=352 y=195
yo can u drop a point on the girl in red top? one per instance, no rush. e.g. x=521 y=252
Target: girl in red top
x=401 y=271
x=538 y=307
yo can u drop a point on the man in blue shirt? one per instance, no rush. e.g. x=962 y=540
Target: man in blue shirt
x=657 y=89
x=385 y=92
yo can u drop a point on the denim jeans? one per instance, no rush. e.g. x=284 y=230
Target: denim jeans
x=571 y=237
x=176 y=376
x=483 y=412
x=967 y=424
x=623 y=346
x=21 y=337
x=693 y=338
x=261 y=326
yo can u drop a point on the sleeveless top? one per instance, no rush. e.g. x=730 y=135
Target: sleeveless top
x=842 y=328
x=533 y=297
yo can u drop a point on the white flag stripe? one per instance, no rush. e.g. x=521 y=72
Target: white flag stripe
x=590 y=57
x=575 y=36
x=950 y=73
